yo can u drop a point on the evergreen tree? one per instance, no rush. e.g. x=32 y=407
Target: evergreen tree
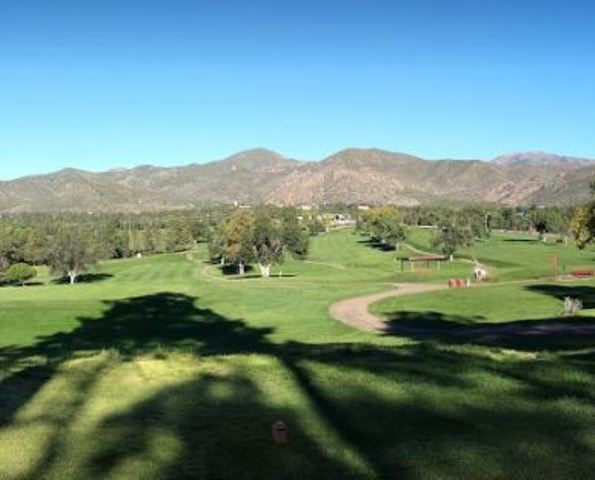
x=35 y=248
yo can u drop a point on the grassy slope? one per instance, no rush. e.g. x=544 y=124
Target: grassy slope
x=515 y=255
x=224 y=358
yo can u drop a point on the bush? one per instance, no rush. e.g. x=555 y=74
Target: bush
x=20 y=273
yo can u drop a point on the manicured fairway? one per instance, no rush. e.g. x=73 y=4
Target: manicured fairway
x=515 y=255
x=163 y=367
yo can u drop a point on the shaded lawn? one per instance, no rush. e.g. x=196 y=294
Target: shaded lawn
x=142 y=408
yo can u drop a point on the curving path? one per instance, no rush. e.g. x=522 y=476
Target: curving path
x=355 y=311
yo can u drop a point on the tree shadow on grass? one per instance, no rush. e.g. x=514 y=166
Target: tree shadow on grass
x=549 y=334
x=223 y=435
x=521 y=240
x=376 y=245
x=84 y=278
x=230 y=269
x=257 y=275
x=216 y=424
x=585 y=293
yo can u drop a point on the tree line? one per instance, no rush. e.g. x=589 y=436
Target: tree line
x=69 y=243
x=458 y=227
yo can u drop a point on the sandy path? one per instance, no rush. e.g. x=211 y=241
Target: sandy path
x=355 y=311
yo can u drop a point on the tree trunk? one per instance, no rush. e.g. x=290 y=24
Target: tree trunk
x=222 y=261
x=241 y=268
x=72 y=276
x=265 y=270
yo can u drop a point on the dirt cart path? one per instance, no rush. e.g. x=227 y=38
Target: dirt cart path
x=355 y=311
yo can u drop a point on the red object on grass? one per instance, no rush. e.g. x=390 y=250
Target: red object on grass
x=582 y=273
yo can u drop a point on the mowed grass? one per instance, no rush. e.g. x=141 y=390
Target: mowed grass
x=163 y=367
x=516 y=255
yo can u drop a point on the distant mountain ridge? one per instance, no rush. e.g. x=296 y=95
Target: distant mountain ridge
x=370 y=176
x=540 y=158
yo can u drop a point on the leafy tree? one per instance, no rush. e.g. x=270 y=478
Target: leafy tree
x=315 y=226
x=238 y=239
x=384 y=225
x=71 y=253
x=35 y=249
x=12 y=241
x=583 y=225
x=295 y=238
x=264 y=237
x=20 y=273
x=583 y=222
x=449 y=237
x=476 y=218
x=267 y=243
x=216 y=242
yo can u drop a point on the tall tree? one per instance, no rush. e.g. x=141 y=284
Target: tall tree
x=216 y=242
x=239 y=231
x=71 y=253
x=35 y=248
x=180 y=235
x=583 y=222
x=295 y=237
x=267 y=243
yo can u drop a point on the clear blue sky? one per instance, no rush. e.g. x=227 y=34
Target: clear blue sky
x=102 y=84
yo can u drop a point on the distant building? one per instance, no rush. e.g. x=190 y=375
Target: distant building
x=363 y=207
x=342 y=220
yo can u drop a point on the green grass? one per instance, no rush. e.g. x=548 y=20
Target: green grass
x=163 y=367
x=515 y=255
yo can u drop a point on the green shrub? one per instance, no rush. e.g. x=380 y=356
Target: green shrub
x=20 y=273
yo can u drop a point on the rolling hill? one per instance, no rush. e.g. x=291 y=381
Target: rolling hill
x=369 y=176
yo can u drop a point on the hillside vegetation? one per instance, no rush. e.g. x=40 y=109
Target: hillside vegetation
x=351 y=176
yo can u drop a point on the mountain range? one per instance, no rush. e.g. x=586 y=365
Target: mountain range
x=355 y=176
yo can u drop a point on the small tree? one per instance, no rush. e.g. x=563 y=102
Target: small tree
x=71 y=252
x=19 y=273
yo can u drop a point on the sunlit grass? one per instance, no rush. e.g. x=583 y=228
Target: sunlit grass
x=163 y=367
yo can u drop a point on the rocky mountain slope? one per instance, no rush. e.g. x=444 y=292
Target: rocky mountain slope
x=351 y=176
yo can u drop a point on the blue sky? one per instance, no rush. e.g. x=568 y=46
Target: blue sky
x=104 y=84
